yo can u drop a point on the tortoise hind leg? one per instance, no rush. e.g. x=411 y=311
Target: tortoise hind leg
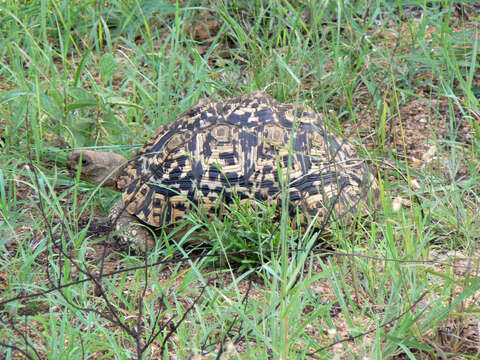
x=132 y=232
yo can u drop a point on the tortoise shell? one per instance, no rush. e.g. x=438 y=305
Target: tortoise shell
x=243 y=146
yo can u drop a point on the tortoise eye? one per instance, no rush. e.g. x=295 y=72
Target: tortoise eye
x=84 y=161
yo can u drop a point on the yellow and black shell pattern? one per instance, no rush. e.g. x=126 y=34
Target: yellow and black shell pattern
x=245 y=147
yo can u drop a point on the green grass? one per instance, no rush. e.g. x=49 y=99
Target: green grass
x=95 y=74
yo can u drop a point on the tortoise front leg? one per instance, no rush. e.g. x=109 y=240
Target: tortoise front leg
x=132 y=232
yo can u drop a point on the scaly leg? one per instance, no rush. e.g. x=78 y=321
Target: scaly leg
x=132 y=232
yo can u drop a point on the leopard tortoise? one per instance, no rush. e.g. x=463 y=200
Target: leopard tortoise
x=225 y=148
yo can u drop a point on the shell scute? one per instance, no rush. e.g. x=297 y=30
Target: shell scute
x=238 y=147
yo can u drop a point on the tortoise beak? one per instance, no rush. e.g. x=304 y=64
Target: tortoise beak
x=72 y=161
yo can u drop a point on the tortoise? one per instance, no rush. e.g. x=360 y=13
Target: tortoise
x=221 y=149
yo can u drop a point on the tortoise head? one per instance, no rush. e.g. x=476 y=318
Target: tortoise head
x=97 y=167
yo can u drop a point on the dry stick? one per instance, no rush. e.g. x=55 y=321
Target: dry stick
x=24 y=353
x=23 y=336
x=157 y=319
x=320 y=252
x=182 y=319
x=174 y=328
x=141 y=349
x=83 y=347
x=140 y=326
x=116 y=320
x=235 y=318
